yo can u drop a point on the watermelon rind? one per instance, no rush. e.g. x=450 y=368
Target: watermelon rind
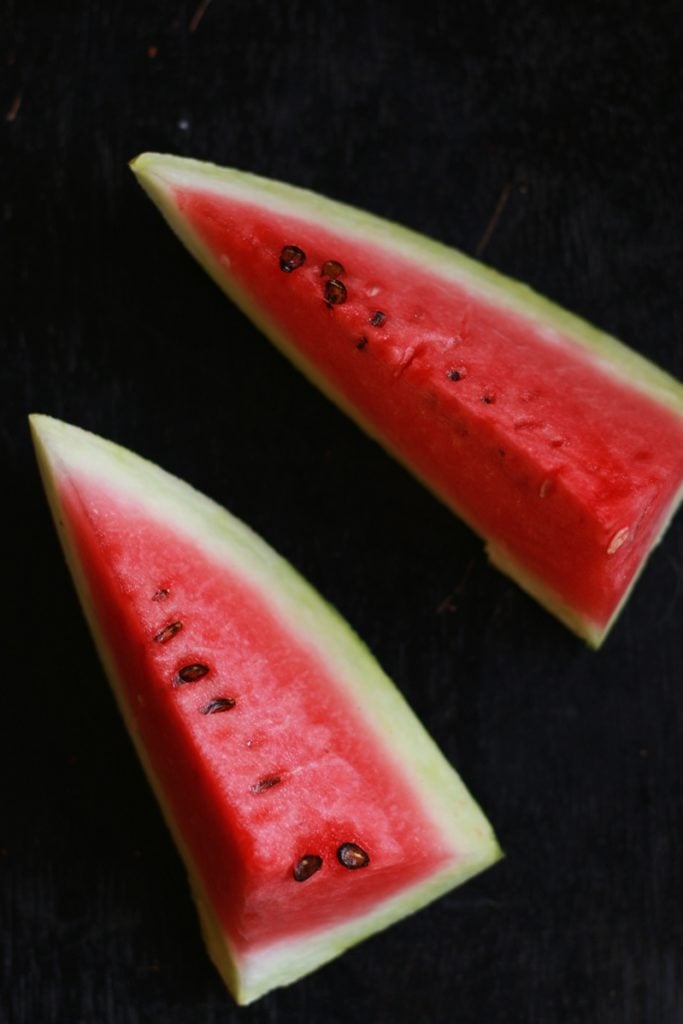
x=161 y=175
x=65 y=452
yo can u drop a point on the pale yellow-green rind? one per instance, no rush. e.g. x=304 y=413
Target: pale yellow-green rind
x=159 y=174
x=64 y=450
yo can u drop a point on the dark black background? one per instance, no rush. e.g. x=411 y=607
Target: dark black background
x=567 y=117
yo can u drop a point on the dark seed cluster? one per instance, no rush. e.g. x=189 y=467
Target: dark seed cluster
x=335 y=294
x=334 y=290
x=349 y=855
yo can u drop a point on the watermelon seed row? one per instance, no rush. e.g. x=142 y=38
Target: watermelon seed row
x=292 y=257
x=350 y=855
x=192 y=673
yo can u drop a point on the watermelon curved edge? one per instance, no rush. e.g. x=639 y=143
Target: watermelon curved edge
x=160 y=174
x=63 y=449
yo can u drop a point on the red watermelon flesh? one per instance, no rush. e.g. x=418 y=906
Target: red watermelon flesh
x=560 y=446
x=308 y=803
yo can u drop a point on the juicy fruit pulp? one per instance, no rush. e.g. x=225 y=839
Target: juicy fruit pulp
x=557 y=444
x=309 y=805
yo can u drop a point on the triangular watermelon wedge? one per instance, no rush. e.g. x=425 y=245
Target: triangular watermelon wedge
x=310 y=806
x=561 y=447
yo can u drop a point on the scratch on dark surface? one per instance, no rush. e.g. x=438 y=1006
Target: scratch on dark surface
x=198 y=15
x=449 y=603
x=495 y=217
x=11 y=114
x=672 y=604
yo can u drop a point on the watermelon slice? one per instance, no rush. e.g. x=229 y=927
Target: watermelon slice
x=556 y=443
x=309 y=805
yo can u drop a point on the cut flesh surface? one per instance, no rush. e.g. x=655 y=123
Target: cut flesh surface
x=275 y=744
x=556 y=443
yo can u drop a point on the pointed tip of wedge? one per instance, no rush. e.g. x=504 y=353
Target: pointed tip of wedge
x=148 y=169
x=141 y=163
x=41 y=425
x=164 y=165
x=159 y=173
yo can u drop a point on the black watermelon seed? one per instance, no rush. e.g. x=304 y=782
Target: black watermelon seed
x=266 y=783
x=332 y=268
x=291 y=258
x=454 y=375
x=378 y=318
x=214 y=707
x=362 y=342
x=352 y=856
x=335 y=292
x=165 y=634
x=191 y=673
x=161 y=594
x=488 y=399
x=306 y=866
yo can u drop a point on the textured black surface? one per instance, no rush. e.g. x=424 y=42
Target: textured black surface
x=566 y=119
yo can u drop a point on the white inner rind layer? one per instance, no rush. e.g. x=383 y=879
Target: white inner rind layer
x=160 y=174
x=67 y=453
